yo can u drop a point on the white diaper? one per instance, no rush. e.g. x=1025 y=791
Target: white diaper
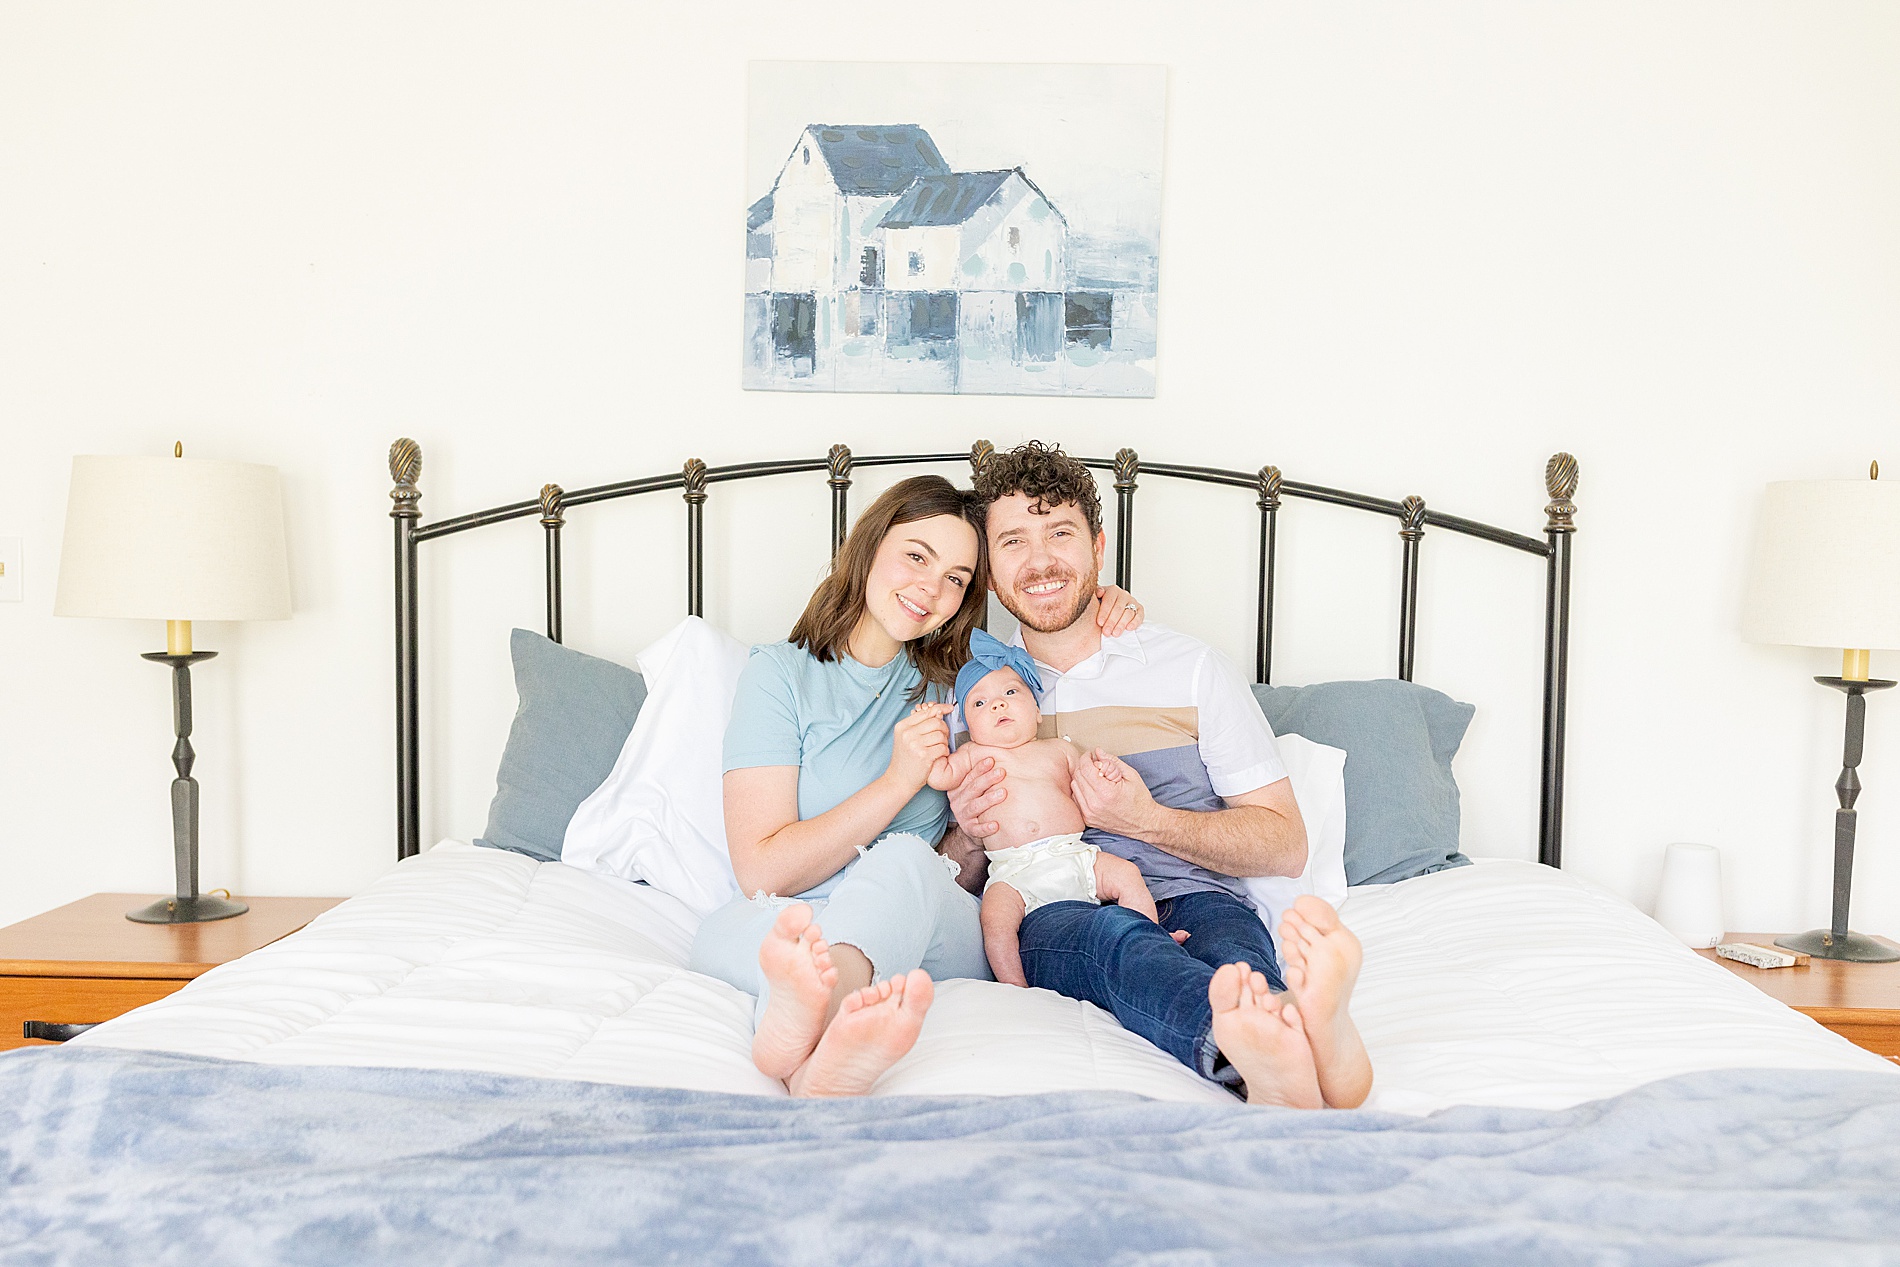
x=1053 y=869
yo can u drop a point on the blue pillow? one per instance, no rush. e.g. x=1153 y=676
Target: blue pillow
x=1399 y=737
x=571 y=721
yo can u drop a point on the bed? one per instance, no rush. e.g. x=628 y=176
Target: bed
x=486 y=1057
x=1474 y=992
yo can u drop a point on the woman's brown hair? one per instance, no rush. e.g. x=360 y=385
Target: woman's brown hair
x=836 y=605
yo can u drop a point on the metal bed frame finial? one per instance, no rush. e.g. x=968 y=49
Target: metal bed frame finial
x=1412 y=518
x=1560 y=481
x=980 y=454
x=553 y=516
x=693 y=480
x=405 y=468
x=838 y=463
x=1269 y=503
x=1269 y=488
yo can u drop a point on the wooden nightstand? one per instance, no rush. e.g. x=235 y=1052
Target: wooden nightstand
x=86 y=962
x=1858 y=1001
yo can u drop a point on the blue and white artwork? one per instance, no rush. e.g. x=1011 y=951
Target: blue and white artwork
x=969 y=228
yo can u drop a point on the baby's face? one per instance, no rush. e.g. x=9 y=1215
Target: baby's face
x=1001 y=711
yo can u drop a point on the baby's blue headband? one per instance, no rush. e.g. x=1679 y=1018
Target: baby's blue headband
x=987 y=655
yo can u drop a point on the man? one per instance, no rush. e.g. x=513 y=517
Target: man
x=1203 y=800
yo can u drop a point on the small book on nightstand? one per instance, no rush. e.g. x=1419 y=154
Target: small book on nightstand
x=1761 y=956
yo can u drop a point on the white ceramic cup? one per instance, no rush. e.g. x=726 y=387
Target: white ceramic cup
x=1689 y=901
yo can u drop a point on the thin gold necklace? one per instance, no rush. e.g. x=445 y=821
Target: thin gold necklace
x=897 y=663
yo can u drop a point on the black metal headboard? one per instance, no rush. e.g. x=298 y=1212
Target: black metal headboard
x=1560 y=481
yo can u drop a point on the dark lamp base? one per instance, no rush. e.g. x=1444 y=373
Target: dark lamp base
x=186 y=910
x=1854 y=947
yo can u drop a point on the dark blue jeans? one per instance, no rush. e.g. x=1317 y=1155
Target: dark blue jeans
x=1126 y=964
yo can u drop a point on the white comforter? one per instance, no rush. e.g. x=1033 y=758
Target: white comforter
x=1502 y=983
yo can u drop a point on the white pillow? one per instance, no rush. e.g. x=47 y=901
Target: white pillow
x=1319 y=788
x=660 y=816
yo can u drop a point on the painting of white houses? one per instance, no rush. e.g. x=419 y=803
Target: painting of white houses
x=892 y=252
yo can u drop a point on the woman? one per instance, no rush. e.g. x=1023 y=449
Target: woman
x=833 y=733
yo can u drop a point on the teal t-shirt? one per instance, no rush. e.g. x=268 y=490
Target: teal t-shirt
x=833 y=721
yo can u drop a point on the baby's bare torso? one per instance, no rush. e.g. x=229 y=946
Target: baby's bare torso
x=1039 y=803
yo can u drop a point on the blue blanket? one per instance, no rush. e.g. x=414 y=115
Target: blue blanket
x=114 y=1157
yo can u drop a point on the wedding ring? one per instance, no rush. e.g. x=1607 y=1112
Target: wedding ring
x=1130 y=606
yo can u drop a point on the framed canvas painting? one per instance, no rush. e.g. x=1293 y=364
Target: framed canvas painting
x=968 y=228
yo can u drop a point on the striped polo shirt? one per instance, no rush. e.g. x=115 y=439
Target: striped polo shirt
x=1178 y=712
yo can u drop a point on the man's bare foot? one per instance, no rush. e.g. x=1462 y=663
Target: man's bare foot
x=874 y=1027
x=797 y=963
x=1322 y=963
x=1262 y=1039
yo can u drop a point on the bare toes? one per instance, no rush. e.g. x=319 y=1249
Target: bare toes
x=917 y=988
x=1223 y=992
x=1316 y=911
x=793 y=921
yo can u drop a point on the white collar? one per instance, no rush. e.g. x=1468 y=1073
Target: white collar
x=1128 y=644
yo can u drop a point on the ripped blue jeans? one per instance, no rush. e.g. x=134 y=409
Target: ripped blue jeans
x=898 y=903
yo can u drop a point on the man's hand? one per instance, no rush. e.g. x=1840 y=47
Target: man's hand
x=980 y=792
x=1113 y=798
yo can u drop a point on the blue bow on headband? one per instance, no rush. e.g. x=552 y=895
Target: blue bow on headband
x=987 y=655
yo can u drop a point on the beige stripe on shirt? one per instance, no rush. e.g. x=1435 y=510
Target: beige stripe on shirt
x=1123 y=730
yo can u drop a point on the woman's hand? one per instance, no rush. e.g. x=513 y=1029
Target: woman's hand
x=1116 y=611
x=917 y=743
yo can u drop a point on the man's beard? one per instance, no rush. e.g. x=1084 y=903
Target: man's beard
x=1084 y=593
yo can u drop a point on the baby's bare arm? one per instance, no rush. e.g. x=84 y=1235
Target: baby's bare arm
x=1119 y=881
x=947 y=772
x=1078 y=756
x=1074 y=754
x=1002 y=918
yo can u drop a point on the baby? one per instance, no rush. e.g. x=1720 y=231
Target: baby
x=1037 y=856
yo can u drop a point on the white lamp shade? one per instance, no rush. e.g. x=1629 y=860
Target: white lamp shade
x=1826 y=571
x=162 y=538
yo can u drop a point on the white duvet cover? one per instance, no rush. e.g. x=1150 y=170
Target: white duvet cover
x=1502 y=983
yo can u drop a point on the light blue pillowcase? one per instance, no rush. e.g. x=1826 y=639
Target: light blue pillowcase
x=571 y=720
x=1399 y=737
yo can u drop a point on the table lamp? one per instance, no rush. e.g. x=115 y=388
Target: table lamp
x=175 y=539
x=1826 y=573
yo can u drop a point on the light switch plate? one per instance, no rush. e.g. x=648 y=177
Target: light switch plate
x=11 y=590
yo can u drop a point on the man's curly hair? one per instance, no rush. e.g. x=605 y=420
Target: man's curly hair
x=1044 y=474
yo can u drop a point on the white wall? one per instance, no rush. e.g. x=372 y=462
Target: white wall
x=1406 y=249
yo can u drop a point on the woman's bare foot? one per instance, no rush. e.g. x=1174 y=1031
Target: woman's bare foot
x=873 y=1029
x=1262 y=1039
x=1322 y=960
x=797 y=963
